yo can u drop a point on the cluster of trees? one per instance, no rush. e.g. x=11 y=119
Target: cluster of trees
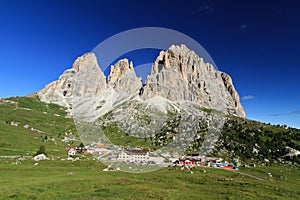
x=257 y=141
x=243 y=138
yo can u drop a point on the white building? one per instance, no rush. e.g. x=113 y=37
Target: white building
x=134 y=155
x=72 y=152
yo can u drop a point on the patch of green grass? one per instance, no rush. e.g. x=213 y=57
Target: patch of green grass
x=119 y=137
x=85 y=179
x=48 y=118
x=206 y=110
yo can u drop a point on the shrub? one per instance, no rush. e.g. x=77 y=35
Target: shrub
x=42 y=150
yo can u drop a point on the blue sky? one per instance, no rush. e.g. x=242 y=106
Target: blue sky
x=256 y=42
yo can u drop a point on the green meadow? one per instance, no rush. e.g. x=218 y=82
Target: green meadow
x=85 y=179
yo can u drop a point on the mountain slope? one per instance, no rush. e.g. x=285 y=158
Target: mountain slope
x=184 y=103
x=177 y=75
x=48 y=125
x=27 y=123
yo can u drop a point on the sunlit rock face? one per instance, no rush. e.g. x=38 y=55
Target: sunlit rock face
x=123 y=78
x=177 y=75
x=85 y=69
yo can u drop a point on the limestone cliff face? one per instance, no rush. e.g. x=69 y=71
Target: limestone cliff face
x=117 y=70
x=60 y=91
x=122 y=77
x=85 y=78
x=178 y=74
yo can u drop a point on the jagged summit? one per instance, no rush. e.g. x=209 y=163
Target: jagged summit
x=178 y=74
x=120 y=68
x=183 y=51
x=61 y=91
x=122 y=77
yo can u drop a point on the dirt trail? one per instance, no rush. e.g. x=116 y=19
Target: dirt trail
x=250 y=175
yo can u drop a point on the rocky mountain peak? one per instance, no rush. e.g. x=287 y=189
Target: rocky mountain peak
x=182 y=50
x=123 y=77
x=120 y=68
x=178 y=74
x=87 y=61
x=61 y=91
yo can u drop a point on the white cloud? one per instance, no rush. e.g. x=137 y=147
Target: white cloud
x=248 y=97
x=295 y=112
x=243 y=28
x=205 y=8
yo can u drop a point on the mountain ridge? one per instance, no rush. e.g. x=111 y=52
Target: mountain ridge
x=178 y=74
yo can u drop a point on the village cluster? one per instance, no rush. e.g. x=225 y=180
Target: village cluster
x=143 y=157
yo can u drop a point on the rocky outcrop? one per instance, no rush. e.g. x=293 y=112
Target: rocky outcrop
x=117 y=70
x=89 y=79
x=60 y=91
x=235 y=102
x=179 y=74
x=84 y=78
x=122 y=77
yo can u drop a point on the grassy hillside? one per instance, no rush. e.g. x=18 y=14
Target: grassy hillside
x=249 y=141
x=86 y=180
x=258 y=142
x=26 y=124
